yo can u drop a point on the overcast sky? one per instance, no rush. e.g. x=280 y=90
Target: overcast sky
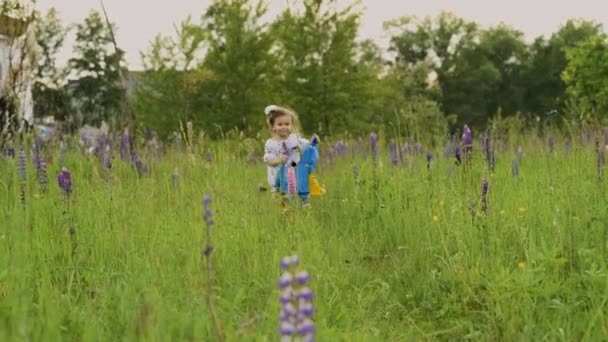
x=138 y=21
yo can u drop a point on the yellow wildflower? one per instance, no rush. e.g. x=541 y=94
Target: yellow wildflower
x=522 y=210
x=521 y=265
x=441 y=203
x=436 y=218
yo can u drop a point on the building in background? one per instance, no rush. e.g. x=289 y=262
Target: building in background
x=16 y=74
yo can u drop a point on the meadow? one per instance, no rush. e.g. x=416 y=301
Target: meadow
x=401 y=252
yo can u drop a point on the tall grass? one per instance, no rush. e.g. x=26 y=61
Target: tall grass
x=405 y=254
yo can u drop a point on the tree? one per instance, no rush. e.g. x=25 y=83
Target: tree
x=545 y=89
x=166 y=92
x=586 y=76
x=239 y=60
x=486 y=77
x=320 y=76
x=98 y=87
x=50 y=95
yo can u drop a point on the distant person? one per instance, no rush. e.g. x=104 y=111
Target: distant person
x=283 y=124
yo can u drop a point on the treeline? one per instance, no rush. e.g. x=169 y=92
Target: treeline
x=220 y=70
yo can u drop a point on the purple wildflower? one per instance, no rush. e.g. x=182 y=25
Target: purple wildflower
x=457 y=155
x=209 y=222
x=106 y=159
x=550 y=144
x=393 y=152
x=467 y=142
x=429 y=159
x=42 y=175
x=485 y=187
x=303 y=277
x=208 y=214
x=373 y=142
x=64 y=179
x=21 y=166
x=124 y=146
x=600 y=157
x=296 y=301
x=340 y=148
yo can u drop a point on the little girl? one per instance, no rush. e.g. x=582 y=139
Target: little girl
x=282 y=123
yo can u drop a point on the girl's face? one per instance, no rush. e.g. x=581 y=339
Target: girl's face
x=282 y=126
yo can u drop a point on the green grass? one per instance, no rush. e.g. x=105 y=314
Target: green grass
x=399 y=257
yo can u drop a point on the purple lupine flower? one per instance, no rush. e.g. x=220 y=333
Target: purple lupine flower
x=21 y=166
x=42 y=175
x=567 y=145
x=429 y=159
x=124 y=146
x=209 y=222
x=100 y=146
x=64 y=179
x=9 y=151
x=393 y=152
x=373 y=142
x=550 y=144
x=72 y=230
x=467 y=136
x=209 y=157
x=208 y=214
x=303 y=277
x=106 y=159
x=296 y=302
x=457 y=155
x=340 y=148
x=485 y=187
x=139 y=166
x=514 y=168
x=600 y=157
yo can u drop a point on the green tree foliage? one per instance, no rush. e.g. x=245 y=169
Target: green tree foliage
x=239 y=60
x=221 y=71
x=544 y=89
x=320 y=73
x=98 y=89
x=166 y=92
x=586 y=76
x=49 y=92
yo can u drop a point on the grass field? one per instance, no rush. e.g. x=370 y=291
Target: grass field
x=404 y=253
